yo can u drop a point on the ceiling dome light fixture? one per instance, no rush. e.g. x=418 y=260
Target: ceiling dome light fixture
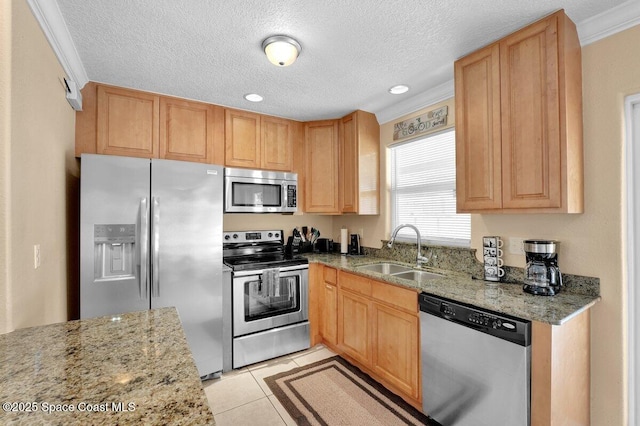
x=253 y=97
x=399 y=89
x=281 y=50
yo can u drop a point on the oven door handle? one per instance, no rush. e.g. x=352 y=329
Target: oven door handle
x=260 y=271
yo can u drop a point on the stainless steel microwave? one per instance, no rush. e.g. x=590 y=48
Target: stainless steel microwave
x=260 y=191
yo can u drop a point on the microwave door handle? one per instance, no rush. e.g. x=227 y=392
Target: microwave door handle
x=155 y=247
x=285 y=194
x=144 y=248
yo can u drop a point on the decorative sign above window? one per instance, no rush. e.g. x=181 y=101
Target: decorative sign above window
x=426 y=122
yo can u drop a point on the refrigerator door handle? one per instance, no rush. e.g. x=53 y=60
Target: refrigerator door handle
x=155 y=246
x=144 y=248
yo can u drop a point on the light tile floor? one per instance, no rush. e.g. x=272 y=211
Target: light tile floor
x=241 y=397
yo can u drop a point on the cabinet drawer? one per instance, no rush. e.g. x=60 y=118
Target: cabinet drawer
x=330 y=275
x=355 y=283
x=396 y=296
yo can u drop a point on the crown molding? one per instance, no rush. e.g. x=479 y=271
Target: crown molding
x=417 y=102
x=609 y=22
x=48 y=15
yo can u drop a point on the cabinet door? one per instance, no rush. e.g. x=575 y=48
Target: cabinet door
x=531 y=151
x=321 y=159
x=395 y=348
x=330 y=313
x=128 y=123
x=242 y=139
x=353 y=326
x=187 y=130
x=349 y=165
x=277 y=149
x=359 y=163
x=478 y=132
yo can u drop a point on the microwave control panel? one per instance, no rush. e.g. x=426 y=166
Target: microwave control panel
x=291 y=196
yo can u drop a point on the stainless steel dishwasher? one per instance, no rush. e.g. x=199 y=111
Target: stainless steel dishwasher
x=475 y=364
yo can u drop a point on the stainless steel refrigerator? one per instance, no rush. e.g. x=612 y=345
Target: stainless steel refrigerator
x=151 y=237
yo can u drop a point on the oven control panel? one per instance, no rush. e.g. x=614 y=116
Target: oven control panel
x=252 y=236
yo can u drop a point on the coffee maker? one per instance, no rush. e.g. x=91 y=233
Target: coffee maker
x=541 y=275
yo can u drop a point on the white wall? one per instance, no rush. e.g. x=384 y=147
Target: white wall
x=38 y=177
x=5 y=132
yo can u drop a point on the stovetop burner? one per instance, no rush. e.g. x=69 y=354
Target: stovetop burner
x=249 y=250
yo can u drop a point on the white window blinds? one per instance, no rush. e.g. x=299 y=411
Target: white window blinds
x=423 y=190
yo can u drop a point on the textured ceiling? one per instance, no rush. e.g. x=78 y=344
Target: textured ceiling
x=352 y=51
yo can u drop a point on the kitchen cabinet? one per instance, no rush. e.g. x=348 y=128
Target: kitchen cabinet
x=395 y=347
x=353 y=316
x=321 y=171
x=257 y=141
x=118 y=121
x=359 y=163
x=128 y=122
x=277 y=144
x=329 y=327
x=188 y=130
x=377 y=329
x=519 y=122
x=242 y=139
x=560 y=372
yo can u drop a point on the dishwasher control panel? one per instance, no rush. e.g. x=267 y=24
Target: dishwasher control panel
x=499 y=325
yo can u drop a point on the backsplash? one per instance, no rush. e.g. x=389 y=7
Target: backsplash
x=464 y=259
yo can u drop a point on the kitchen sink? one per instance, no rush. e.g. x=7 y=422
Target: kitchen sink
x=399 y=271
x=384 y=268
x=417 y=275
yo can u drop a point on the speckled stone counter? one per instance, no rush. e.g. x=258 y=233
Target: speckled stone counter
x=132 y=369
x=506 y=298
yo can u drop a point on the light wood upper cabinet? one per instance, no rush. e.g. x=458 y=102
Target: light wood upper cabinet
x=342 y=160
x=188 y=130
x=242 y=139
x=478 y=130
x=277 y=144
x=118 y=121
x=127 y=122
x=359 y=164
x=321 y=172
x=258 y=141
x=519 y=122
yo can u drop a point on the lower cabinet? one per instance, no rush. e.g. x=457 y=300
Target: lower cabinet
x=353 y=326
x=375 y=325
x=329 y=324
x=396 y=347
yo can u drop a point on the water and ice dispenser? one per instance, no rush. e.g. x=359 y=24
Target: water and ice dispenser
x=114 y=252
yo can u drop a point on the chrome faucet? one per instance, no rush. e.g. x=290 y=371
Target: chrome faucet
x=420 y=259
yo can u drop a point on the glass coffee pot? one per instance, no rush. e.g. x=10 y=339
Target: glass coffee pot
x=541 y=275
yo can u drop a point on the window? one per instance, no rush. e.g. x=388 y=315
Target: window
x=423 y=190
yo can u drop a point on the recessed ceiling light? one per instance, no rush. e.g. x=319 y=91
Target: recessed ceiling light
x=253 y=97
x=399 y=89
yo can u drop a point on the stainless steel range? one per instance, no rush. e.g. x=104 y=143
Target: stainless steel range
x=270 y=295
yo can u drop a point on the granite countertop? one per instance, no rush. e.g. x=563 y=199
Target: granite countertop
x=506 y=298
x=134 y=368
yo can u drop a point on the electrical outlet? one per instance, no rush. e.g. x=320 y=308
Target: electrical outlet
x=516 y=245
x=36 y=256
x=361 y=233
